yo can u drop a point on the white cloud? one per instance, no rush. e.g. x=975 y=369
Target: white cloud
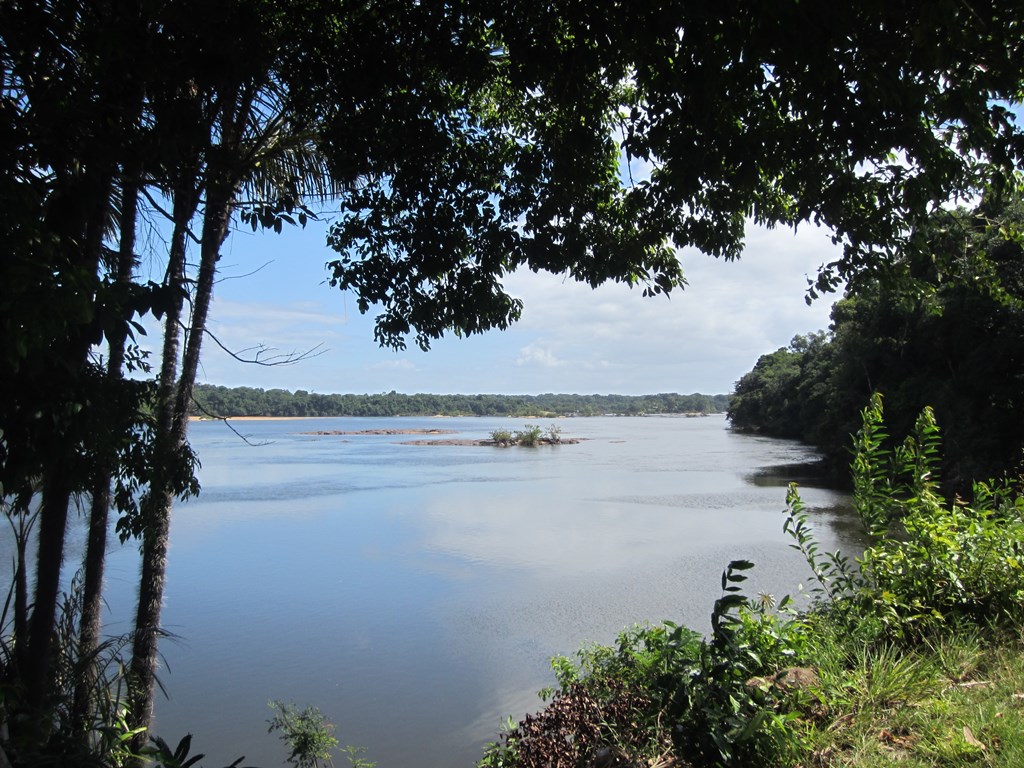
x=395 y=365
x=538 y=355
x=701 y=339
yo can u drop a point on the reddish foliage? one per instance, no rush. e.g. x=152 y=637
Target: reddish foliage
x=579 y=729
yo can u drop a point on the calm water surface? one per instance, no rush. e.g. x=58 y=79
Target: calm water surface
x=415 y=594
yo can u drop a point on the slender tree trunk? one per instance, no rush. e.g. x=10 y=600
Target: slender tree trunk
x=53 y=517
x=172 y=441
x=215 y=228
x=151 y=594
x=223 y=181
x=82 y=244
x=158 y=500
x=95 y=555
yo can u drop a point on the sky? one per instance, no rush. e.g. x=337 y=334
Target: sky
x=571 y=339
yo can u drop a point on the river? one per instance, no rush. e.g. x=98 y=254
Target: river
x=414 y=593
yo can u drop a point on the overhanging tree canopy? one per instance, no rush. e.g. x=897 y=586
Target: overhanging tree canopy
x=862 y=118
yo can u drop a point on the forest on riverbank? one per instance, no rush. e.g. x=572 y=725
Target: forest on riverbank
x=943 y=329
x=225 y=402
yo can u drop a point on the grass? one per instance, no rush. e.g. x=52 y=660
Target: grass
x=955 y=701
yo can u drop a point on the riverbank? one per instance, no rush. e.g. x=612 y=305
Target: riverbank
x=950 y=698
x=913 y=654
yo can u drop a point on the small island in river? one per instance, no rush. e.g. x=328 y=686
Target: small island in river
x=529 y=437
x=494 y=443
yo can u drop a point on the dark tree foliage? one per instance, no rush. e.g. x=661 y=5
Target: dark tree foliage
x=951 y=336
x=861 y=117
x=69 y=106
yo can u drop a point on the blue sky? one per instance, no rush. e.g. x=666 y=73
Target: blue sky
x=272 y=292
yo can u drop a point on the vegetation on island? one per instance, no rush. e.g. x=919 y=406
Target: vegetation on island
x=949 y=334
x=911 y=652
x=454 y=143
x=529 y=436
x=224 y=402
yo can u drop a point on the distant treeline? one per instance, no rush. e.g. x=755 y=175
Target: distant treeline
x=212 y=400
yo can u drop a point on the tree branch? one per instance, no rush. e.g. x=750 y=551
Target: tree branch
x=227 y=423
x=260 y=268
x=268 y=356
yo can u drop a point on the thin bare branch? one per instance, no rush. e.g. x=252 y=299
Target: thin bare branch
x=159 y=208
x=260 y=268
x=227 y=423
x=268 y=356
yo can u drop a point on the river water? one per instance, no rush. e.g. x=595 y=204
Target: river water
x=415 y=594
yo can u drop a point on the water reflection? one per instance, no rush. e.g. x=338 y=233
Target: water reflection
x=808 y=473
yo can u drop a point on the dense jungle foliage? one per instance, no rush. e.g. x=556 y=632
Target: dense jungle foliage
x=225 y=402
x=945 y=329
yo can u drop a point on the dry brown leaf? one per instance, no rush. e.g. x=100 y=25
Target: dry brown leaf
x=974 y=684
x=970 y=739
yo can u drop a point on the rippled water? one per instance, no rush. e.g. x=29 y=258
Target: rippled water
x=415 y=593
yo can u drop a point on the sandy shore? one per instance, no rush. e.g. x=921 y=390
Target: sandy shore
x=253 y=418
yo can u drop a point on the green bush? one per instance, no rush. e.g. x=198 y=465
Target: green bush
x=930 y=562
x=308 y=735
x=529 y=436
x=501 y=437
x=957 y=562
x=664 y=689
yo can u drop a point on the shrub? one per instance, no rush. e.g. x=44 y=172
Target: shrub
x=529 y=436
x=930 y=562
x=957 y=562
x=308 y=735
x=501 y=437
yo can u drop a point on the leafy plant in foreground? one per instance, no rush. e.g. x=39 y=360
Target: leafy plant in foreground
x=957 y=562
x=164 y=757
x=722 y=718
x=944 y=562
x=832 y=570
x=306 y=732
